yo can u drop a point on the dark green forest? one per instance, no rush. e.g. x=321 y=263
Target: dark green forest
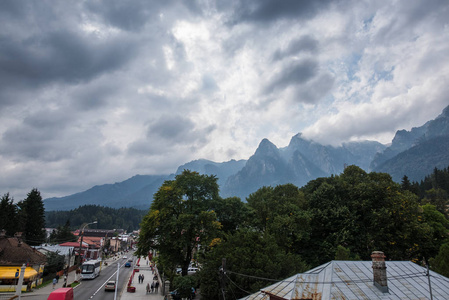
x=283 y=230
x=107 y=218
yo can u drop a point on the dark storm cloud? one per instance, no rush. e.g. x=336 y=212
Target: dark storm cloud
x=40 y=44
x=38 y=137
x=295 y=74
x=171 y=132
x=303 y=44
x=269 y=10
x=134 y=15
x=315 y=90
x=175 y=128
x=60 y=56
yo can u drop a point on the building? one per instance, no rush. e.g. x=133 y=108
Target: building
x=376 y=279
x=67 y=252
x=87 y=251
x=13 y=254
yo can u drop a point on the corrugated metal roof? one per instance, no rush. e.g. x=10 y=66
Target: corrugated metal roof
x=354 y=280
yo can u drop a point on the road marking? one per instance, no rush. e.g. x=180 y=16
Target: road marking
x=101 y=287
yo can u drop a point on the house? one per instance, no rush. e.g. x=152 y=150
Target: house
x=13 y=254
x=376 y=279
x=67 y=252
x=87 y=251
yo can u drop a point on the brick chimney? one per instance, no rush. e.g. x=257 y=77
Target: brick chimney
x=18 y=236
x=379 y=271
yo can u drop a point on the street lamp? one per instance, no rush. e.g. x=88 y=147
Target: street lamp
x=81 y=240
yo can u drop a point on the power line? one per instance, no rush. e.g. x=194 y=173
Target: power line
x=237 y=285
x=397 y=277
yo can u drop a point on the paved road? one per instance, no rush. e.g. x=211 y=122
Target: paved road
x=90 y=289
x=94 y=289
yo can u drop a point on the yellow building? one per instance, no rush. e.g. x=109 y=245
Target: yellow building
x=13 y=254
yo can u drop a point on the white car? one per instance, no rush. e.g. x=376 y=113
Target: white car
x=125 y=257
x=110 y=286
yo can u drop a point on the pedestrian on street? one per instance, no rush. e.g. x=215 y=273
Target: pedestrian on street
x=57 y=278
x=156 y=286
x=142 y=278
x=152 y=286
x=148 y=287
x=54 y=282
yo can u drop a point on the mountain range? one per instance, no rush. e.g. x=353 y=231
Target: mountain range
x=414 y=153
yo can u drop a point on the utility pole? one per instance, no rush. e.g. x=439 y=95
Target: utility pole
x=19 y=284
x=428 y=277
x=116 y=281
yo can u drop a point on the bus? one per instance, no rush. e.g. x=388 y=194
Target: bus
x=90 y=269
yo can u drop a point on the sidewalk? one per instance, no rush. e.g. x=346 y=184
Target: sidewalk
x=141 y=287
x=140 y=292
x=46 y=290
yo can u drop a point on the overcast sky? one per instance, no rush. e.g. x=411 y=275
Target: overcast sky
x=94 y=92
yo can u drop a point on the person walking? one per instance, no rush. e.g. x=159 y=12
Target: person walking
x=54 y=282
x=152 y=286
x=148 y=288
x=156 y=286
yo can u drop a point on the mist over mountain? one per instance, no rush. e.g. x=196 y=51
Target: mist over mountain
x=414 y=153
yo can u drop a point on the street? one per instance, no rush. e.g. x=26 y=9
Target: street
x=94 y=289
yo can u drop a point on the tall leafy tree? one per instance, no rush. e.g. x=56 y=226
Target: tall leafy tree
x=8 y=215
x=33 y=218
x=440 y=263
x=280 y=211
x=231 y=212
x=247 y=252
x=179 y=219
x=362 y=212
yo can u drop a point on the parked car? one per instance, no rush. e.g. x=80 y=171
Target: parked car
x=110 y=286
x=190 y=270
x=128 y=265
x=177 y=296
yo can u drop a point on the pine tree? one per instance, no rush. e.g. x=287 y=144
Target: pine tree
x=33 y=218
x=405 y=184
x=8 y=215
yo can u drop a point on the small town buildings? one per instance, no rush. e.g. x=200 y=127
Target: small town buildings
x=67 y=252
x=87 y=251
x=376 y=279
x=14 y=253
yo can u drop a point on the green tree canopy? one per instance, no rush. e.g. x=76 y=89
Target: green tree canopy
x=440 y=263
x=247 y=252
x=280 y=211
x=179 y=219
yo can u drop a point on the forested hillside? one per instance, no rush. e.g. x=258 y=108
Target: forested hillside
x=108 y=218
